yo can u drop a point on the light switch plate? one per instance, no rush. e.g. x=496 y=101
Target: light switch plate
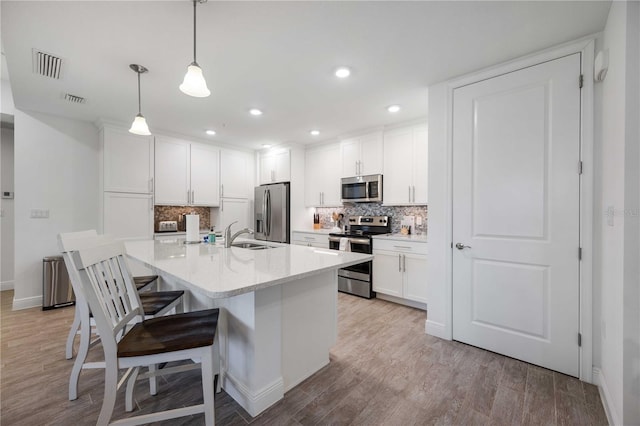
x=39 y=214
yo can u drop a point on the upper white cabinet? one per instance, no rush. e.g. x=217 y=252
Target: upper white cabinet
x=234 y=210
x=322 y=176
x=128 y=215
x=362 y=155
x=275 y=166
x=186 y=173
x=127 y=161
x=405 y=165
x=235 y=171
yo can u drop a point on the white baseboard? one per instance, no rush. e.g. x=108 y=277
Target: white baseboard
x=401 y=301
x=27 y=302
x=436 y=329
x=257 y=402
x=599 y=379
x=6 y=285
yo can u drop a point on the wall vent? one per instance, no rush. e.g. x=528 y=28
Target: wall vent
x=46 y=64
x=74 y=99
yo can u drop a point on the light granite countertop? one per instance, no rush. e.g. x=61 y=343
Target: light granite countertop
x=324 y=231
x=220 y=272
x=422 y=238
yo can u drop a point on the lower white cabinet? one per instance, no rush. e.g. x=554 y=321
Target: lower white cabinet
x=234 y=209
x=310 y=239
x=400 y=269
x=128 y=216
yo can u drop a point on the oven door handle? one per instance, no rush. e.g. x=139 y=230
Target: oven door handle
x=362 y=241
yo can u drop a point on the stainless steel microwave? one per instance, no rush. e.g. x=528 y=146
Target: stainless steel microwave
x=362 y=189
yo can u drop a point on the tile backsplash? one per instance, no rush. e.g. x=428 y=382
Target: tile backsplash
x=174 y=213
x=373 y=209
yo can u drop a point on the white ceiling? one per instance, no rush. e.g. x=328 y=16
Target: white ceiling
x=276 y=56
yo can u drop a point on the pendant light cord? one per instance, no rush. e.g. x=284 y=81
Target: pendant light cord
x=194 y=31
x=139 y=104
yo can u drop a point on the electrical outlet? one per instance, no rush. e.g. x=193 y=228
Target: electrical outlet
x=610 y=213
x=418 y=220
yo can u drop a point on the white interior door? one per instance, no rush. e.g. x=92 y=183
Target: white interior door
x=516 y=151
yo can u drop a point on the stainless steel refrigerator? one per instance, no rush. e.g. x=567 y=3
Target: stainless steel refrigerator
x=271 y=212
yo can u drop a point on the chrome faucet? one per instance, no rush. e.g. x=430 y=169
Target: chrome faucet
x=228 y=238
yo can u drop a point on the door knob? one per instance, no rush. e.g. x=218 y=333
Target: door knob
x=461 y=246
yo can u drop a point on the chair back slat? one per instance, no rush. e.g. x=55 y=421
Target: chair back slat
x=109 y=287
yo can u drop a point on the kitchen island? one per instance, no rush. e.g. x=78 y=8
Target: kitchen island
x=279 y=308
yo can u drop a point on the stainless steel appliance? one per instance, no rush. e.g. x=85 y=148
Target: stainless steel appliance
x=168 y=226
x=358 y=279
x=56 y=286
x=362 y=189
x=271 y=212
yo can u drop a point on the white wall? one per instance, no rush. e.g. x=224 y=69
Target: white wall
x=631 y=274
x=7 y=210
x=619 y=253
x=56 y=168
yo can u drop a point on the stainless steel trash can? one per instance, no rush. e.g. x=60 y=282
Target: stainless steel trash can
x=56 y=286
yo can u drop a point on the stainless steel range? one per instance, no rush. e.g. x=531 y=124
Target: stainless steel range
x=358 y=279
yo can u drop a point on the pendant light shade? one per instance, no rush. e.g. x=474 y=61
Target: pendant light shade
x=139 y=125
x=194 y=83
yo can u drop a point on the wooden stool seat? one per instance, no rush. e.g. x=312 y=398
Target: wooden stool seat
x=168 y=334
x=143 y=281
x=153 y=303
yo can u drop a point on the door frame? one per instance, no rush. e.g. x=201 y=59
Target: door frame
x=440 y=278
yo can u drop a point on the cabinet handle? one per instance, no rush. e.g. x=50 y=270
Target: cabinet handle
x=222 y=190
x=356 y=168
x=403 y=247
x=320 y=198
x=414 y=193
x=193 y=197
x=188 y=197
x=404 y=263
x=409 y=193
x=399 y=263
x=151 y=185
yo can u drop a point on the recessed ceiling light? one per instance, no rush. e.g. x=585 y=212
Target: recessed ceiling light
x=314 y=132
x=393 y=108
x=255 y=111
x=211 y=132
x=266 y=145
x=343 y=72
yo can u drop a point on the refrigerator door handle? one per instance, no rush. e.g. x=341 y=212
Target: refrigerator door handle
x=269 y=212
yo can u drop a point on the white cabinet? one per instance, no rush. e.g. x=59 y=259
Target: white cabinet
x=127 y=161
x=322 y=176
x=186 y=173
x=362 y=155
x=127 y=173
x=234 y=209
x=310 y=239
x=400 y=269
x=275 y=166
x=235 y=174
x=405 y=166
x=128 y=215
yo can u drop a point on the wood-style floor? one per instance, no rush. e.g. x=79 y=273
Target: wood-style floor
x=384 y=371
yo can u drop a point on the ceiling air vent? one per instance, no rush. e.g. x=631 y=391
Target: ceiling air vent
x=74 y=99
x=46 y=64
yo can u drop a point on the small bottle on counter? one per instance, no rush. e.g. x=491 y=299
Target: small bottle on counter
x=212 y=236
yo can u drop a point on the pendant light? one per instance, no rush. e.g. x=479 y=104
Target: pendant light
x=139 y=125
x=194 y=83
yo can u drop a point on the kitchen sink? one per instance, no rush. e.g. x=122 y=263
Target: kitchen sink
x=251 y=246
